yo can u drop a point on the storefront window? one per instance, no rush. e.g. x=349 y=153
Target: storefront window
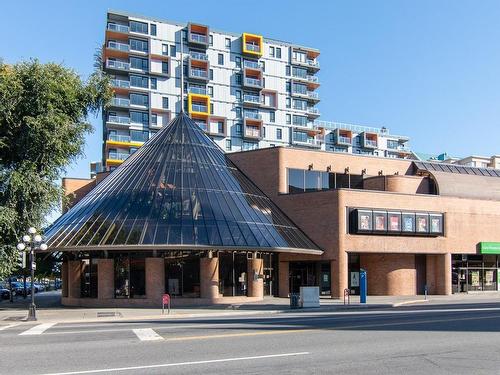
x=89 y=278
x=130 y=277
x=473 y=273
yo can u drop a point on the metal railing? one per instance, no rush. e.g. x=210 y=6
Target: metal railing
x=251 y=64
x=119 y=138
x=252 y=115
x=119 y=119
x=252 y=47
x=198 y=38
x=120 y=83
x=118 y=46
x=198 y=55
x=308 y=141
x=313 y=79
x=344 y=126
x=119 y=28
x=253 y=82
x=344 y=140
x=199 y=107
x=251 y=98
x=313 y=63
x=253 y=132
x=199 y=73
x=371 y=143
x=198 y=90
x=118 y=155
x=313 y=110
x=117 y=64
x=120 y=102
x=313 y=95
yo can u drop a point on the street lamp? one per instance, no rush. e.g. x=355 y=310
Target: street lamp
x=31 y=242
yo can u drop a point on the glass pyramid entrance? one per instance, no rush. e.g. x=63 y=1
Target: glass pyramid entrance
x=180 y=192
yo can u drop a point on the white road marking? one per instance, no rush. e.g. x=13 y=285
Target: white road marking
x=147 y=334
x=180 y=364
x=38 y=329
x=9 y=326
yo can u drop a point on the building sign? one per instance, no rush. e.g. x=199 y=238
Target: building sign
x=489 y=247
x=354 y=279
x=396 y=222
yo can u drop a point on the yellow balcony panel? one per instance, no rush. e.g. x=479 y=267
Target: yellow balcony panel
x=198 y=105
x=252 y=44
x=114 y=161
x=124 y=144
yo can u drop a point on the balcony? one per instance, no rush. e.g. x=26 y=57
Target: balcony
x=119 y=120
x=252 y=65
x=250 y=99
x=118 y=156
x=198 y=74
x=117 y=65
x=252 y=44
x=119 y=138
x=252 y=132
x=313 y=95
x=301 y=138
x=118 y=28
x=370 y=143
x=124 y=140
x=252 y=115
x=120 y=83
x=252 y=82
x=312 y=112
x=118 y=46
x=198 y=90
x=369 y=140
x=198 y=56
x=120 y=102
x=198 y=105
x=198 y=35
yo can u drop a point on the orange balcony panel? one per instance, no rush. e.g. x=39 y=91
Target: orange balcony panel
x=252 y=44
x=160 y=57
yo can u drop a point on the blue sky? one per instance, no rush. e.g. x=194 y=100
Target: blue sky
x=426 y=69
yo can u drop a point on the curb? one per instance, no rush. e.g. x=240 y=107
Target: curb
x=412 y=302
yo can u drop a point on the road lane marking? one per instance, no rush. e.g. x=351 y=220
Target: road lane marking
x=9 y=326
x=147 y=334
x=222 y=360
x=225 y=335
x=38 y=329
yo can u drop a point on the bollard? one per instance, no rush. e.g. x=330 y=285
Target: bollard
x=362 y=286
x=347 y=294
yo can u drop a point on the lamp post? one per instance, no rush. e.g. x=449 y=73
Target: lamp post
x=31 y=242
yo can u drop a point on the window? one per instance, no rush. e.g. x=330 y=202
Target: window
x=228 y=145
x=263 y=82
x=263 y=131
x=164 y=49
x=211 y=73
x=211 y=40
x=238 y=112
x=139 y=118
x=287 y=70
x=279 y=134
x=153 y=83
x=288 y=101
x=138 y=27
x=138 y=45
x=278 y=52
x=238 y=95
x=211 y=108
x=295 y=181
x=210 y=91
x=271 y=51
x=164 y=102
x=138 y=63
x=173 y=50
x=250 y=146
x=130 y=277
x=272 y=117
x=220 y=127
x=299 y=120
x=164 y=67
x=139 y=99
x=220 y=59
x=184 y=35
x=263 y=65
x=154 y=119
x=153 y=29
x=288 y=87
x=299 y=88
x=238 y=129
x=138 y=81
x=228 y=43
x=299 y=56
x=299 y=104
x=139 y=135
x=299 y=72
x=237 y=60
x=238 y=79
x=288 y=119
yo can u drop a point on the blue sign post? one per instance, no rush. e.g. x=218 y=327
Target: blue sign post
x=362 y=286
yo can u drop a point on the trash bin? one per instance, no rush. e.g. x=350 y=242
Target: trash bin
x=294 y=300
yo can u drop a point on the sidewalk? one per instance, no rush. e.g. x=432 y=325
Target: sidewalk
x=49 y=308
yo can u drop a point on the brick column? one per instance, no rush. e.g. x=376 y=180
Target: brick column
x=155 y=279
x=64 y=277
x=74 y=278
x=443 y=274
x=209 y=278
x=255 y=267
x=339 y=275
x=430 y=274
x=105 y=279
x=284 y=279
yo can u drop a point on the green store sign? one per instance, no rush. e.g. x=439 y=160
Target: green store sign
x=489 y=247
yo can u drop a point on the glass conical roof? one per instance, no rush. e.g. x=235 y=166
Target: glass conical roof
x=178 y=191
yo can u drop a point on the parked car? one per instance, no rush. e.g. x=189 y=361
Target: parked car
x=18 y=288
x=4 y=293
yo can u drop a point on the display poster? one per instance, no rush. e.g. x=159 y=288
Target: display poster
x=488 y=277
x=422 y=224
x=408 y=224
x=354 y=279
x=435 y=225
x=394 y=223
x=364 y=222
x=474 y=278
x=379 y=222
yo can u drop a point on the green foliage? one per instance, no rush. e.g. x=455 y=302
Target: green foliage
x=43 y=112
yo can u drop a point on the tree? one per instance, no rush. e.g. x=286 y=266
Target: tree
x=43 y=112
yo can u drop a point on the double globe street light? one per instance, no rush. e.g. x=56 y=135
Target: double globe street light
x=31 y=242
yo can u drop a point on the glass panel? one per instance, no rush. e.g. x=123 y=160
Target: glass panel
x=295 y=181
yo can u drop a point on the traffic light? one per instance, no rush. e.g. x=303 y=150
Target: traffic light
x=22 y=259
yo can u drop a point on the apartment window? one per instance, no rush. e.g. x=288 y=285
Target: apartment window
x=299 y=72
x=288 y=102
x=153 y=29
x=228 y=43
x=271 y=51
x=220 y=59
x=184 y=35
x=263 y=82
x=211 y=40
x=300 y=104
x=392 y=144
x=279 y=134
x=263 y=65
x=138 y=27
x=139 y=135
x=154 y=119
x=139 y=117
x=272 y=117
x=238 y=79
x=288 y=87
x=238 y=129
x=238 y=95
x=299 y=88
x=139 y=99
x=238 y=112
x=211 y=108
x=237 y=60
x=138 y=63
x=164 y=49
x=288 y=119
x=278 y=52
x=164 y=67
x=228 y=145
x=211 y=74
x=299 y=120
x=210 y=91
x=173 y=50
x=299 y=56
x=287 y=70
x=153 y=83
x=220 y=127
x=138 y=81
x=138 y=45
x=263 y=131
x=164 y=102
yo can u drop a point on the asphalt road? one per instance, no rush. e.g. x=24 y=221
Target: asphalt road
x=448 y=339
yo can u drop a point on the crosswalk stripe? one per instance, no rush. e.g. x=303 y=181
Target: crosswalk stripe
x=9 y=326
x=38 y=329
x=147 y=334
